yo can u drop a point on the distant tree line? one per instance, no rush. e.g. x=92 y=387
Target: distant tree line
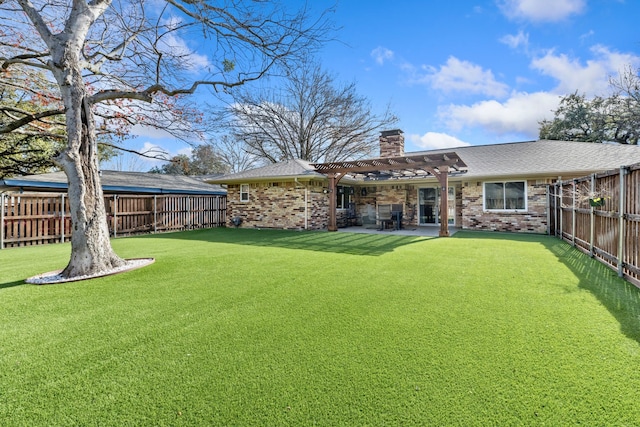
x=614 y=118
x=203 y=161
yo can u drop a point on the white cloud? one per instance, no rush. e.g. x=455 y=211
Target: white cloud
x=591 y=78
x=186 y=151
x=382 y=54
x=140 y=130
x=587 y=35
x=515 y=41
x=541 y=10
x=189 y=59
x=463 y=76
x=436 y=140
x=520 y=113
x=523 y=111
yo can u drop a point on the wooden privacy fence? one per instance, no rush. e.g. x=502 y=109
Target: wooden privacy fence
x=36 y=219
x=600 y=215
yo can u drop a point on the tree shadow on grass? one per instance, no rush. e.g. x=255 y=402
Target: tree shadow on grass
x=323 y=241
x=621 y=298
x=12 y=284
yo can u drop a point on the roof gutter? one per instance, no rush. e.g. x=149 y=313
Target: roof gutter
x=266 y=179
x=21 y=184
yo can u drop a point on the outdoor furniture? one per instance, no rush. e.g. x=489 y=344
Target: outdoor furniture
x=384 y=216
x=352 y=217
x=396 y=215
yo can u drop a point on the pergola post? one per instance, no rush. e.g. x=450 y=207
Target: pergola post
x=443 y=179
x=442 y=174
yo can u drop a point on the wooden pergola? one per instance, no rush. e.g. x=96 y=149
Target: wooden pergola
x=395 y=168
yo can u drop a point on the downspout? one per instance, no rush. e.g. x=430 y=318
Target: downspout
x=548 y=211
x=561 y=214
x=306 y=203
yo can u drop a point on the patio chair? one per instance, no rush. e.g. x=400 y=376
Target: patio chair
x=396 y=215
x=384 y=216
x=352 y=217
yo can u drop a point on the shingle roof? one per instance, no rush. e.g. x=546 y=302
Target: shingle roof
x=284 y=170
x=516 y=159
x=543 y=158
x=119 y=182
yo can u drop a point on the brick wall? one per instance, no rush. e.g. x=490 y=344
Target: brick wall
x=279 y=205
x=534 y=220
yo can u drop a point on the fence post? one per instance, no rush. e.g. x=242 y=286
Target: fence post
x=2 y=203
x=621 y=216
x=62 y=222
x=188 y=213
x=592 y=218
x=555 y=209
x=155 y=213
x=115 y=216
x=573 y=214
x=561 y=216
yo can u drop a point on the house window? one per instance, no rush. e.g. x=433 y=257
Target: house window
x=505 y=196
x=343 y=196
x=244 y=192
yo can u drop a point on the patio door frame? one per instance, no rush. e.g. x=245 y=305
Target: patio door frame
x=451 y=192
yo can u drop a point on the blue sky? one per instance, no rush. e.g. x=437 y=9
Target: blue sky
x=472 y=72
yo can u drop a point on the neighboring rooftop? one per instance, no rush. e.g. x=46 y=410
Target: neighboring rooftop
x=118 y=182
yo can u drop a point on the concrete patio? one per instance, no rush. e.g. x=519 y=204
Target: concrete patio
x=426 y=231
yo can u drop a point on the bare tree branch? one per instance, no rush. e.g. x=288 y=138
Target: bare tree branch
x=311 y=118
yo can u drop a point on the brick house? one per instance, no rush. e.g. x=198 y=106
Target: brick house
x=502 y=188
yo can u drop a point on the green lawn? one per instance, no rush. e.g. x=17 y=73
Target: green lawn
x=269 y=328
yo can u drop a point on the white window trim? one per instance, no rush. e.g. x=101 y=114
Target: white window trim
x=526 y=196
x=244 y=192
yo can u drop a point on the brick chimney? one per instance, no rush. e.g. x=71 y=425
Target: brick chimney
x=392 y=143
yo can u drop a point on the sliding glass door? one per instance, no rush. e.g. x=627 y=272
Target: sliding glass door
x=429 y=205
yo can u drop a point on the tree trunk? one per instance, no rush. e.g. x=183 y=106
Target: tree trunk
x=91 y=251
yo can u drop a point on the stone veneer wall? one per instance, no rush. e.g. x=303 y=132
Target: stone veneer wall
x=398 y=194
x=534 y=220
x=280 y=205
x=392 y=143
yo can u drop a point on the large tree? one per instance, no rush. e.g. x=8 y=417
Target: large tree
x=32 y=127
x=29 y=136
x=203 y=161
x=235 y=155
x=613 y=118
x=129 y=62
x=310 y=117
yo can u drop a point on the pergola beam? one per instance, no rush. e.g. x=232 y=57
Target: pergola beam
x=392 y=163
